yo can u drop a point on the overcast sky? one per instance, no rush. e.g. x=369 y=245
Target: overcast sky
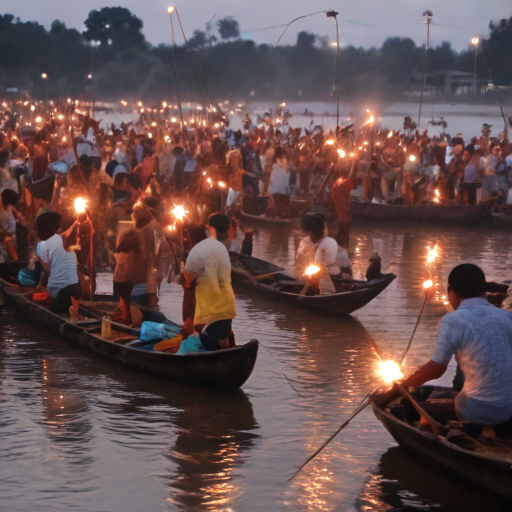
x=363 y=22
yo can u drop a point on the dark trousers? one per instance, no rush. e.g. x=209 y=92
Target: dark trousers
x=282 y=202
x=62 y=302
x=343 y=235
x=471 y=189
x=215 y=332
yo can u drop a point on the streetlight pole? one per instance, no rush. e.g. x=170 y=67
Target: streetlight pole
x=170 y=10
x=91 y=84
x=475 y=42
x=429 y=15
x=44 y=76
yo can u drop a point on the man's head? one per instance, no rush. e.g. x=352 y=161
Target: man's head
x=9 y=199
x=47 y=224
x=121 y=180
x=218 y=224
x=314 y=225
x=465 y=281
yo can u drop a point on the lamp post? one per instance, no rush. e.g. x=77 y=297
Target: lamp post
x=44 y=76
x=475 y=42
x=170 y=10
x=91 y=84
x=429 y=15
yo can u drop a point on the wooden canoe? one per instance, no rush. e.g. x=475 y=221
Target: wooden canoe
x=224 y=369
x=432 y=213
x=272 y=221
x=488 y=466
x=285 y=288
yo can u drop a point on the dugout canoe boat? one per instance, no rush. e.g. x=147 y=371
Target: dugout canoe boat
x=273 y=221
x=432 y=213
x=483 y=462
x=274 y=282
x=224 y=369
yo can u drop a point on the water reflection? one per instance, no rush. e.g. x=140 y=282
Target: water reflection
x=212 y=443
x=402 y=482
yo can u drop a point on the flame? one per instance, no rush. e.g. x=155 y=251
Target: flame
x=64 y=138
x=412 y=158
x=170 y=10
x=390 y=134
x=329 y=142
x=371 y=120
x=179 y=212
x=222 y=184
x=171 y=227
x=432 y=254
x=341 y=153
x=312 y=270
x=173 y=119
x=216 y=125
x=428 y=284
x=209 y=180
x=38 y=119
x=390 y=371
x=80 y=205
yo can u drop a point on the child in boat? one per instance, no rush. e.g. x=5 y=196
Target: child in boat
x=319 y=249
x=131 y=269
x=59 y=265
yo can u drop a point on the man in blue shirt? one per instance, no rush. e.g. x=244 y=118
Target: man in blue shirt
x=480 y=337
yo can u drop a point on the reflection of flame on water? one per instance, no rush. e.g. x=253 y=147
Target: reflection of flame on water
x=432 y=254
x=390 y=371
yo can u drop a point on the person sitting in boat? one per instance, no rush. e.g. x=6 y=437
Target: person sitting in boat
x=480 y=337
x=320 y=249
x=58 y=264
x=208 y=265
x=8 y=201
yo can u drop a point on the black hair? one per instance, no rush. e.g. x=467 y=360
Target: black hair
x=4 y=157
x=9 y=197
x=220 y=222
x=313 y=222
x=120 y=177
x=47 y=224
x=196 y=234
x=467 y=281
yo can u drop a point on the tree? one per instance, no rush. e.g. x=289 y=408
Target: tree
x=198 y=39
x=114 y=26
x=229 y=28
x=306 y=39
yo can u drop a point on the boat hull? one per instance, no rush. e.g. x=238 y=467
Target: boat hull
x=489 y=473
x=341 y=303
x=224 y=369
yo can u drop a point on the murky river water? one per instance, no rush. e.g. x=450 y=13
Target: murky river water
x=81 y=433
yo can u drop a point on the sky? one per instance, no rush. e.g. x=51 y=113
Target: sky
x=364 y=23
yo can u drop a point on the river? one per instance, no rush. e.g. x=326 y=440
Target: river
x=78 y=432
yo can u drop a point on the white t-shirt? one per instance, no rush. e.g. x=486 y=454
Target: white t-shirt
x=480 y=336
x=63 y=266
x=215 y=299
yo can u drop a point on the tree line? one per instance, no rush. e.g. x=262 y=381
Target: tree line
x=114 y=51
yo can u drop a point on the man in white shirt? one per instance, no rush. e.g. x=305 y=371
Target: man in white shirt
x=319 y=249
x=480 y=337
x=59 y=264
x=208 y=264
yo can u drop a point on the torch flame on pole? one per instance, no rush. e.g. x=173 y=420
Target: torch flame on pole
x=80 y=205
x=312 y=270
x=428 y=284
x=436 y=199
x=179 y=212
x=390 y=371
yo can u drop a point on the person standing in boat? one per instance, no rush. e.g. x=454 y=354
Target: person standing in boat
x=279 y=187
x=480 y=337
x=340 y=194
x=208 y=265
